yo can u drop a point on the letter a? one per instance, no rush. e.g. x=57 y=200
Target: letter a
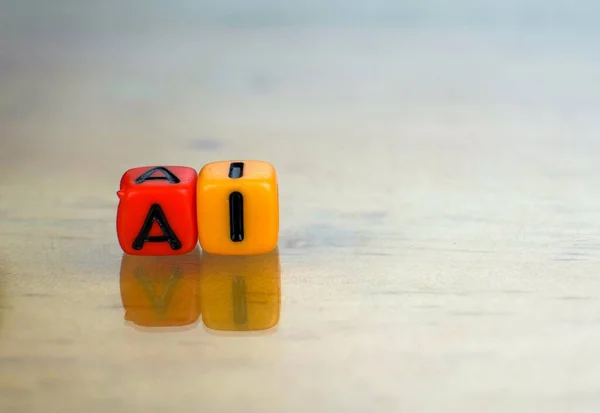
x=147 y=176
x=156 y=214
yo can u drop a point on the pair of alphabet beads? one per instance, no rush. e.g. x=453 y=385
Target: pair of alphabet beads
x=231 y=207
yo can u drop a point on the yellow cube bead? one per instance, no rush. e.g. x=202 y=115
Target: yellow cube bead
x=238 y=207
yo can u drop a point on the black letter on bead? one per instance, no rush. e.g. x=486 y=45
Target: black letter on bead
x=236 y=217
x=156 y=214
x=236 y=170
x=147 y=176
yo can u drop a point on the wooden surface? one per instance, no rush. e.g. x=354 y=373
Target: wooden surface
x=440 y=214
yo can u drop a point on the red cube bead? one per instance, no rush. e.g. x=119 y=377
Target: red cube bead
x=157 y=211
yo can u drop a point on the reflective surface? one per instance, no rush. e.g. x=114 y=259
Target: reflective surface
x=240 y=293
x=233 y=293
x=438 y=179
x=161 y=291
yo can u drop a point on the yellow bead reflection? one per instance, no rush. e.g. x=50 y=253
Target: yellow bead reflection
x=240 y=293
x=161 y=291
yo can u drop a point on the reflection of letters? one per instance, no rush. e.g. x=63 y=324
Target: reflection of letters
x=240 y=307
x=160 y=302
x=240 y=293
x=161 y=291
x=156 y=214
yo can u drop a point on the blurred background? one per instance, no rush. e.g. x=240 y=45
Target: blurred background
x=213 y=69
